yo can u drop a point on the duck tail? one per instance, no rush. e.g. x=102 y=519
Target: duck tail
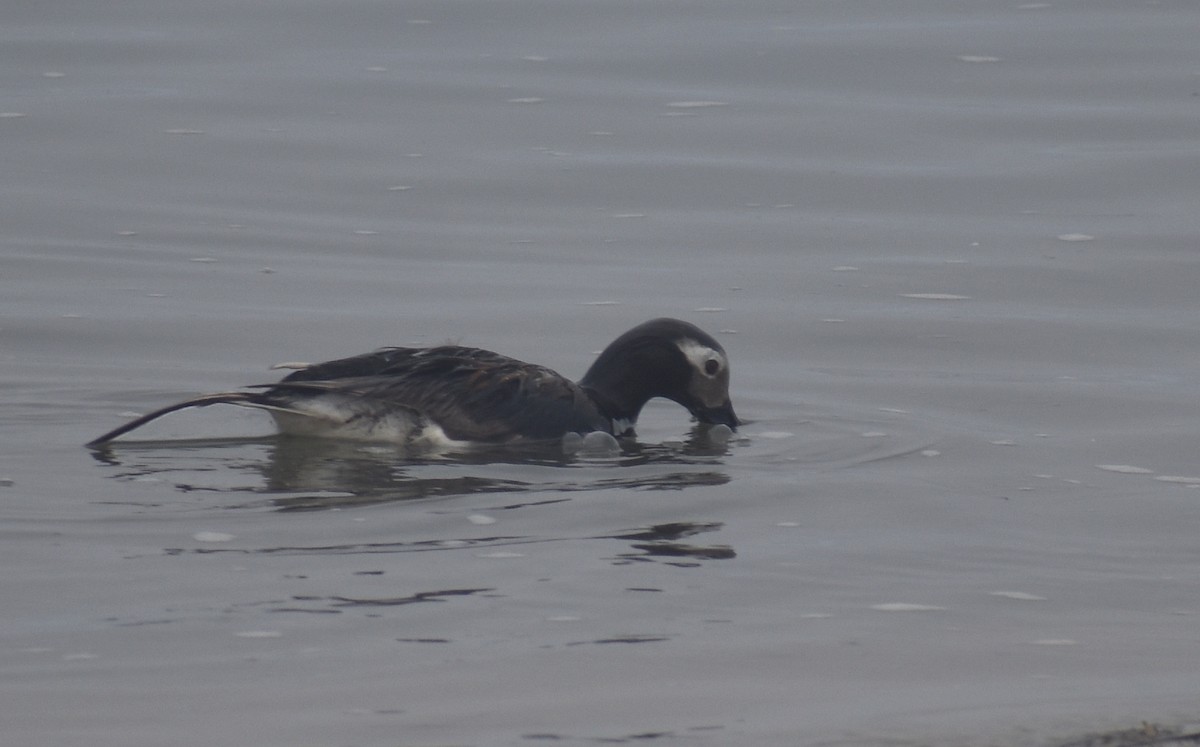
x=231 y=398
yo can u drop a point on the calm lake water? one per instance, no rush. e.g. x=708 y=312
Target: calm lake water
x=951 y=248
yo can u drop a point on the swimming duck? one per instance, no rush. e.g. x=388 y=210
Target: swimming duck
x=454 y=396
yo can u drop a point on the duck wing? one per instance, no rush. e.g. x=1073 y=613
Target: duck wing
x=472 y=394
x=367 y=364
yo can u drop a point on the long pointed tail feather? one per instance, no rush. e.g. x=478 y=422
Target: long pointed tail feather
x=232 y=398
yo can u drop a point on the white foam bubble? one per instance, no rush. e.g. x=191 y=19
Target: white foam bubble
x=1125 y=469
x=905 y=607
x=598 y=443
x=1018 y=595
x=719 y=433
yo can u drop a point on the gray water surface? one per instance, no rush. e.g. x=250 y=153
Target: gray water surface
x=951 y=248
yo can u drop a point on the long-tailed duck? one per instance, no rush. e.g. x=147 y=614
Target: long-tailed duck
x=452 y=395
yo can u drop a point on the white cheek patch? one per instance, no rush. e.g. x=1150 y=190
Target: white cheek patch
x=698 y=354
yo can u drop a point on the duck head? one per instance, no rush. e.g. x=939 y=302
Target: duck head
x=665 y=358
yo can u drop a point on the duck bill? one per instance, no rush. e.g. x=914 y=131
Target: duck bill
x=721 y=415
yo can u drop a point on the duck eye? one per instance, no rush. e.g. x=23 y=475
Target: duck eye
x=712 y=366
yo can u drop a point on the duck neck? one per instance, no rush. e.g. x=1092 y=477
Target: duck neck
x=621 y=411
x=628 y=375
